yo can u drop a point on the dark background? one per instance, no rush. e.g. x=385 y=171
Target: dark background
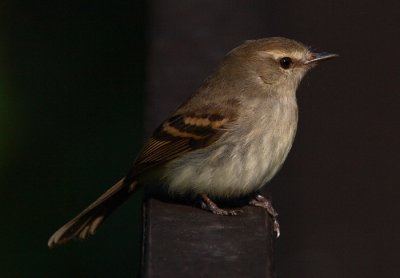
x=72 y=101
x=71 y=123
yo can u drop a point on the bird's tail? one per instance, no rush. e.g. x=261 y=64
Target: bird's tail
x=87 y=222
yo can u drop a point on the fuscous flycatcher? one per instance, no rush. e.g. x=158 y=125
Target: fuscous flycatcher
x=226 y=141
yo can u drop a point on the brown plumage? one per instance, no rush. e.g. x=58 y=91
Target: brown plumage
x=176 y=136
x=227 y=140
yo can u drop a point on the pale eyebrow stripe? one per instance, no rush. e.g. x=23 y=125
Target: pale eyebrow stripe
x=276 y=54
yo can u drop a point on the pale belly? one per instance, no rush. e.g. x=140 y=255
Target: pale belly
x=232 y=169
x=244 y=159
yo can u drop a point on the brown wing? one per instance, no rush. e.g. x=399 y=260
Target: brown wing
x=178 y=135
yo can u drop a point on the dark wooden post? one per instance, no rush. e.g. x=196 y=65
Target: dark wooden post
x=188 y=38
x=183 y=241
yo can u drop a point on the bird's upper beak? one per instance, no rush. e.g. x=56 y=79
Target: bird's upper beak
x=317 y=57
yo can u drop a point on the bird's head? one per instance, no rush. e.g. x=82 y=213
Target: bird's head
x=273 y=62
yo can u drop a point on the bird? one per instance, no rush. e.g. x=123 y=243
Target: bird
x=227 y=140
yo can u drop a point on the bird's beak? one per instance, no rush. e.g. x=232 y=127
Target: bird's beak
x=317 y=57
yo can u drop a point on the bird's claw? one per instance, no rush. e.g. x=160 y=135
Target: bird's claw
x=261 y=201
x=208 y=204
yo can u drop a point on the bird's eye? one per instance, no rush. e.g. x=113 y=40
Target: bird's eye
x=285 y=62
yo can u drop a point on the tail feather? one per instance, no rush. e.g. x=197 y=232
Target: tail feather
x=87 y=222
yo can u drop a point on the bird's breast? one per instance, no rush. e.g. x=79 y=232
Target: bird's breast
x=267 y=143
x=246 y=157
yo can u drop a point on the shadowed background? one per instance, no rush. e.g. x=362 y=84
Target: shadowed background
x=71 y=121
x=72 y=81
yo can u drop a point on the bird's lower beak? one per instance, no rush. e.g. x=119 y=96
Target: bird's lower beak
x=317 y=57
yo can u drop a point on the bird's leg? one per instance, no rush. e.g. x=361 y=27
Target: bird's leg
x=208 y=204
x=261 y=201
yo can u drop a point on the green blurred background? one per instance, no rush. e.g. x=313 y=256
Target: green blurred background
x=71 y=106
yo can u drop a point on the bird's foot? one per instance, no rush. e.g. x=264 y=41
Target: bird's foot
x=261 y=201
x=208 y=204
